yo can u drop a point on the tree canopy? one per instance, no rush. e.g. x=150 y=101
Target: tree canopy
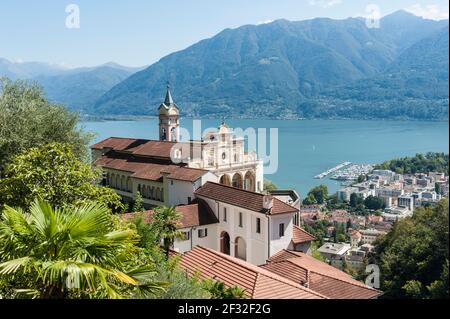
x=28 y=120
x=414 y=255
x=421 y=163
x=317 y=195
x=53 y=173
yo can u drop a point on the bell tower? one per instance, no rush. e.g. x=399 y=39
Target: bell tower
x=169 y=119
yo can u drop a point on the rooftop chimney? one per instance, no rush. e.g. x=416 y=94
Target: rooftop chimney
x=267 y=202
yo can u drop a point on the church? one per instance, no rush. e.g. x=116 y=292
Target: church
x=215 y=185
x=147 y=166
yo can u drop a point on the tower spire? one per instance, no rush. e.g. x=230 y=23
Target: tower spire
x=168 y=100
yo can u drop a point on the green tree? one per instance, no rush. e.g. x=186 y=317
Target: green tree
x=72 y=252
x=53 y=173
x=28 y=120
x=438 y=188
x=420 y=163
x=315 y=253
x=374 y=203
x=361 y=178
x=218 y=290
x=269 y=185
x=356 y=200
x=309 y=200
x=165 y=225
x=320 y=193
x=317 y=195
x=137 y=207
x=414 y=255
x=349 y=224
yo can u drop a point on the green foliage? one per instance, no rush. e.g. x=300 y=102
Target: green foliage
x=164 y=224
x=28 y=120
x=77 y=252
x=54 y=174
x=314 y=251
x=374 y=203
x=414 y=255
x=339 y=233
x=361 y=178
x=137 y=207
x=318 y=230
x=181 y=285
x=356 y=200
x=269 y=185
x=147 y=236
x=218 y=290
x=317 y=195
x=430 y=162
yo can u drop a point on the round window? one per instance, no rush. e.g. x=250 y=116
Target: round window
x=224 y=155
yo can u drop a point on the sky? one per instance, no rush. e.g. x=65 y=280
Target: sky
x=140 y=32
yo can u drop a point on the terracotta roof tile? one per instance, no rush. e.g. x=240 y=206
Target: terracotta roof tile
x=242 y=198
x=321 y=277
x=299 y=235
x=257 y=282
x=192 y=215
x=142 y=147
x=148 y=169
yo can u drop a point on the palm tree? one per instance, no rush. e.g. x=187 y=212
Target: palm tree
x=165 y=223
x=71 y=252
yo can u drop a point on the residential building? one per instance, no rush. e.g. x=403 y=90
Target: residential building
x=370 y=235
x=247 y=225
x=334 y=250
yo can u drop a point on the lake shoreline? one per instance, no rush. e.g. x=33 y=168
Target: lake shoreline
x=138 y=118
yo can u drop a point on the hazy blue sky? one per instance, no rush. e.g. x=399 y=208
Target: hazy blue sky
x=140 y=32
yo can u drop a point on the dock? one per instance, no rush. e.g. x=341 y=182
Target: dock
x=331 y=170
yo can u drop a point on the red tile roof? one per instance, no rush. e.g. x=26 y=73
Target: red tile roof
x=319 y=276
x=192 y=215
x=147 y=169
x=299 y=235
x=141 y=147
x=257 y=283
x=242 y=198
x=355 y=234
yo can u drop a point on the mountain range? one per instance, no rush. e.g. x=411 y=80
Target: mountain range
x=77 y=88
x=319 y=68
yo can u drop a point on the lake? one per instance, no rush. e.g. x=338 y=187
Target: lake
x=309 y=147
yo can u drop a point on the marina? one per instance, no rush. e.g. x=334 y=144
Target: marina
x=352 y=172
x=332 y=170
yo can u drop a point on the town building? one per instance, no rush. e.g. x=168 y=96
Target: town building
x=334 y=250
x=370 y=235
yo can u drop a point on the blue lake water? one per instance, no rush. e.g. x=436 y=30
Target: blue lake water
x=309 y=147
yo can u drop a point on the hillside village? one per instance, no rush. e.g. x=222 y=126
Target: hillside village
x=398 y=196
